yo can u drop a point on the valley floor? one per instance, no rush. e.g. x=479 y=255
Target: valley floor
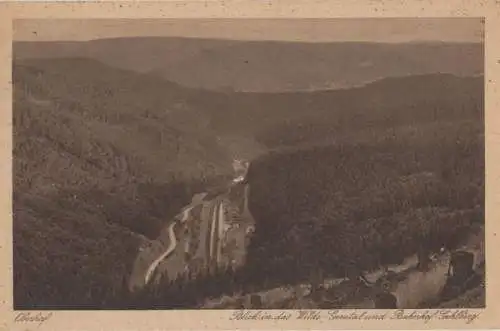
x=207 y=233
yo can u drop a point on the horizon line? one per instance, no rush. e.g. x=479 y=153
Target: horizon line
x=304 y=41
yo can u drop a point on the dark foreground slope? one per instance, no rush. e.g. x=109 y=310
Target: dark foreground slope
x=364 y=203
x=385 y=171
x=101 y=157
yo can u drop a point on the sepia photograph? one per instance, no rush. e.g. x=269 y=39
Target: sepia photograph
x=289 y=163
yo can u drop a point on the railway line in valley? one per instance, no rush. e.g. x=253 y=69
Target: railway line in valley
x=214 y=213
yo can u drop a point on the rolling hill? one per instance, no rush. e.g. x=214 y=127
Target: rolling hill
x=288 y=119
x=231 y=65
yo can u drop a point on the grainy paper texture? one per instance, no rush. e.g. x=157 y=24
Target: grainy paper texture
x=207 y=68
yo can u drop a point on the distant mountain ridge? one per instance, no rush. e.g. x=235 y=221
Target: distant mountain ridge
x=266 y=66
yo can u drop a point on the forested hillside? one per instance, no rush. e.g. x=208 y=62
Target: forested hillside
x=290 y=119
x=366 y=203
x=101 y=157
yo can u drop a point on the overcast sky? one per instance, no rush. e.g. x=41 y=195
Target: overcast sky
x=313 y=30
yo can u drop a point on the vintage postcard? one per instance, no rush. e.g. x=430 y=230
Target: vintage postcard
x=244 y=165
